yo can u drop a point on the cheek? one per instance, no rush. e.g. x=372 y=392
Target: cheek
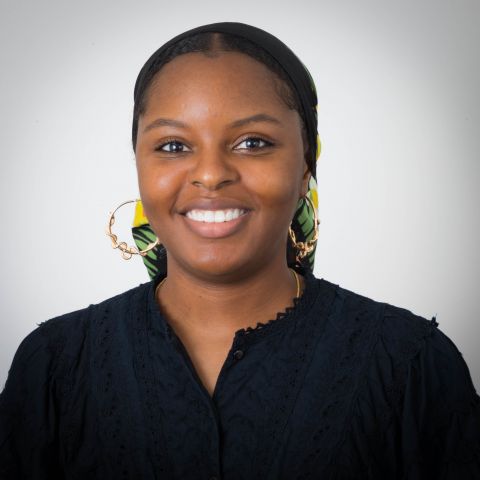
x=276 y=189
x=159 y=188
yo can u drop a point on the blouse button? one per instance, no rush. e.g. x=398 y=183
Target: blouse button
x=237 y=355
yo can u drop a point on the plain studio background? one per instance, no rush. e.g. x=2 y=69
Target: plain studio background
x=399 y=118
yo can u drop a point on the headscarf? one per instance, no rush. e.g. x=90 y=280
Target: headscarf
x=301 y=79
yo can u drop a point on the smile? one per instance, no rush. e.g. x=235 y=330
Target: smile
x=215 y=216
x=216 y=224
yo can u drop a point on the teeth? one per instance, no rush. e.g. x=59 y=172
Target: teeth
x=219 y=216
x=215 y=216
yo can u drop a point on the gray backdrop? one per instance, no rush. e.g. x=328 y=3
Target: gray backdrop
x=398 y=177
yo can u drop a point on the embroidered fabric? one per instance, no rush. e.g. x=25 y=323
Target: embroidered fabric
x=339 y=387
x=409 y=432
x=300 y=306
x=279 y=316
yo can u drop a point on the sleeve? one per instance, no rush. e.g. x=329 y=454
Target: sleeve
x=441 y=414
x=28 y=416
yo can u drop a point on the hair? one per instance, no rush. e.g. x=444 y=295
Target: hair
x=212 y=44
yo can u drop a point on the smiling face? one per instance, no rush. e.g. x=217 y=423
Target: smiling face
x=221 y=164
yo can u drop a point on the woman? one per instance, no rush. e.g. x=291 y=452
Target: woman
x=234 y=362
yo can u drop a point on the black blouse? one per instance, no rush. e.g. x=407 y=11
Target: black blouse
x=338 y=387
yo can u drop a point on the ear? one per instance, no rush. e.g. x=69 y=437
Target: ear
x=306 y=146
x=306 y=172
x=305 y=180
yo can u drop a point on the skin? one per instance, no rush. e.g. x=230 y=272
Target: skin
x=210 y=159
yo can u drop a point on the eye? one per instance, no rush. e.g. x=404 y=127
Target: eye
x=253 y=143
x=172 y=146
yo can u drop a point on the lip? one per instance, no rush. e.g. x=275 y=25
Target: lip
x=217 y=230
x=213 y=204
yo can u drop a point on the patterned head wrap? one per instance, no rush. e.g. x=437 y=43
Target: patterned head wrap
x=303 y=221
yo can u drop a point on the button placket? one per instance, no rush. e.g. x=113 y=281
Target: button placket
x=238 y=348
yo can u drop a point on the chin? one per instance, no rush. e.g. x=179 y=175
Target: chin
x=218 y=264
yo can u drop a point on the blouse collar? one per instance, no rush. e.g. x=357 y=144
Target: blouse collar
x=293 y=314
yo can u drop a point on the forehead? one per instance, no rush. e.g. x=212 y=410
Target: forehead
x=230 y=79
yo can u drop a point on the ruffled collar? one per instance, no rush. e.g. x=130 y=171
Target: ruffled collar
x=285 y=317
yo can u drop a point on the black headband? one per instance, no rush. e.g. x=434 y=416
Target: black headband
x=294 y=68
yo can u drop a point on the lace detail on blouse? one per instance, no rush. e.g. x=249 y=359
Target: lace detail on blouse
x=349 y=389
x=300 y=306
x=336 y=389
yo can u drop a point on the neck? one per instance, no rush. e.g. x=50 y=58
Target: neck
x=218 y=307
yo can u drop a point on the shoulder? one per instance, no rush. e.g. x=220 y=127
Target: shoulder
x=78 y=321
x=429 y=385
x=402 y=332
x=426 y=355
x=408 y=343
x=411 y=383
x=64 y=335
x=48 y=373
x=417 y=360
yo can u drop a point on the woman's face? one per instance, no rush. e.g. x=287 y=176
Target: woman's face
x=221 y=164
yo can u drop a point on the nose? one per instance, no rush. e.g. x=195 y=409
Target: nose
x=212 y=171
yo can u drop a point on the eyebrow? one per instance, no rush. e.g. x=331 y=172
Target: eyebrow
x=259 y=117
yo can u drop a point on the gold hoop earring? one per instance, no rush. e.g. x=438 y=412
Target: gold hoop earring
x=127 y=252
x=304 y=248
